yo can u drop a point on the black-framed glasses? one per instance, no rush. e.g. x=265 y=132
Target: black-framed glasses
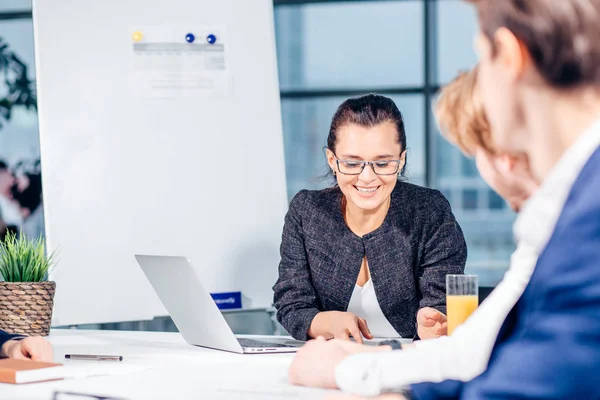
x=381 y=167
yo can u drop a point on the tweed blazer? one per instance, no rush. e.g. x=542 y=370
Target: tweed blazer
x=409 y=256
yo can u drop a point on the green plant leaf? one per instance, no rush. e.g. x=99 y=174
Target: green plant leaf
x=24 y=260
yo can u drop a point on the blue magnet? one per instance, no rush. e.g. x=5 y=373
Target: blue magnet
x=211 y=39
x=190 y=37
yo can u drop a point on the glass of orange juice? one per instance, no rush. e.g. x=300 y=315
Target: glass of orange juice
x=462 y=298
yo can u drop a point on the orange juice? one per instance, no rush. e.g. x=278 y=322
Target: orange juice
x=458 y=309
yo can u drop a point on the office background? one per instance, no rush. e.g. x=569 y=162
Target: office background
x=327 y=51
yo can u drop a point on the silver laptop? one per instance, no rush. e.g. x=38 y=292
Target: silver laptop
x=194 y=311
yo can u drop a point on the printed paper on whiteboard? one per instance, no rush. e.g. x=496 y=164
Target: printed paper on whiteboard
x=166 y=65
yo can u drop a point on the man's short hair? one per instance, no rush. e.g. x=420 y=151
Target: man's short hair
x=561 y=36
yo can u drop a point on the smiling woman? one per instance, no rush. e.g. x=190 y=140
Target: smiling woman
x=369 y=256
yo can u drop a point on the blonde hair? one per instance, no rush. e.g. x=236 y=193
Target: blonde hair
x=460 y=114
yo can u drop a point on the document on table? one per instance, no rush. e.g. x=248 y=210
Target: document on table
x=262 y=391
x=84 y=369
x=263 y=383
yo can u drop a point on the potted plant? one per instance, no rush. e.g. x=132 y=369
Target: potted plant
x=26 y=295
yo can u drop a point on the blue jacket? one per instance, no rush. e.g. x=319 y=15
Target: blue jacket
x=549 y=345
x=5 y=337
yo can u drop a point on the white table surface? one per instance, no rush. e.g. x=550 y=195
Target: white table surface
x=177 y=370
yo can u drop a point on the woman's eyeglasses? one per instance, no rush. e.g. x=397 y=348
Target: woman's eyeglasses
x=354 y=167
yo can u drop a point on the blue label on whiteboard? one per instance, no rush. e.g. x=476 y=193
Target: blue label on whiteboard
x=226 y=301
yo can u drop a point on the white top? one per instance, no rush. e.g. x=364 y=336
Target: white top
x=465 y=354
x=364 y=304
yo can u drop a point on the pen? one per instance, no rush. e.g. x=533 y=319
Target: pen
x=93 y=357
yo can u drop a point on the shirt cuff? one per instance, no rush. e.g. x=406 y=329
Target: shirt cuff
x=359 y=374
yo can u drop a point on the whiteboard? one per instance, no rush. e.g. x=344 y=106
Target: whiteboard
x=130 y=166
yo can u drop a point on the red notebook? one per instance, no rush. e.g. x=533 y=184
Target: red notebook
x=26 y=371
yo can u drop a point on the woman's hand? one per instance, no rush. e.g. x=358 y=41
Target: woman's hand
x=339 y=325
x=431 y=323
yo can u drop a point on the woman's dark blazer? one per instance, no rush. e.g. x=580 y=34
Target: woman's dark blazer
x=409 y=256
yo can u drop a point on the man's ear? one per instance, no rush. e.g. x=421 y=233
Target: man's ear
x=512 y=53
x=517 y=161
x=504 y=163
x=509 y=161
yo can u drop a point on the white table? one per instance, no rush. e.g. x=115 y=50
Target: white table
x=176 y=370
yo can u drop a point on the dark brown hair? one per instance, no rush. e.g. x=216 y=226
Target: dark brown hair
x=368 y=110
x=561 y=36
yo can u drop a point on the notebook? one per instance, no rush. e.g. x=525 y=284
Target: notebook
x=26 y=371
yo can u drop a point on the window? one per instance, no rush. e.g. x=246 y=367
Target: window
x=350 y=45
x=15 y=6
x=495 y=202
x=456 y=28
x=470 y=199
x=19 y=139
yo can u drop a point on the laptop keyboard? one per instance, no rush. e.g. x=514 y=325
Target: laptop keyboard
x=260 y=343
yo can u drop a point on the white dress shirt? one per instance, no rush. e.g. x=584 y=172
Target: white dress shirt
x=364 y=304
x=466 y=353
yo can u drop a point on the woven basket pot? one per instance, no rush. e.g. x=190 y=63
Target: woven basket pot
x=26 y=307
